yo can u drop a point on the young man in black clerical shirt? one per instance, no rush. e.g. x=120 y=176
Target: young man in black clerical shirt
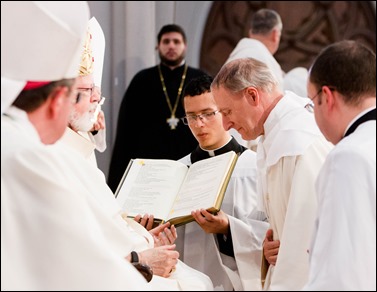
x=238 y=221
x=148 y=123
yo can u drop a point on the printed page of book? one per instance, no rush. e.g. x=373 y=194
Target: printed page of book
x=151 y=186
x=202 y=185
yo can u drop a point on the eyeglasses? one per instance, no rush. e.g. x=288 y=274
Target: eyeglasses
x=88 y=91
x=310 y=106
x=97 y=90
x=205 y=117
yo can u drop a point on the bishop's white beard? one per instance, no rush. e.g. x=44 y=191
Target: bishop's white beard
x=82 y=122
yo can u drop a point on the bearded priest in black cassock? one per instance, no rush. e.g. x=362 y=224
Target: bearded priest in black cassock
x=149 y=124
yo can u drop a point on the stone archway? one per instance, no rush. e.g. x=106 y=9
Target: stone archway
x=308 y=26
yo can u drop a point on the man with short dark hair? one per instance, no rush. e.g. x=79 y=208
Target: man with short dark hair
x=216 y=244
x=342 y=89
x=148 y=121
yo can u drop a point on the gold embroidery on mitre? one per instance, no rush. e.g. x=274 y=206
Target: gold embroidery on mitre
x=87 y=59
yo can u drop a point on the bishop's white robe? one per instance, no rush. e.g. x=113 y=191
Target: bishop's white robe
x=61 y=227
x=84 y=143
x=343 y=249
x=289 y=157
x=81 y=143
x=201 y=250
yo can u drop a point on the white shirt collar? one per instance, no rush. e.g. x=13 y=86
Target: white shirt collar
x=212 y=152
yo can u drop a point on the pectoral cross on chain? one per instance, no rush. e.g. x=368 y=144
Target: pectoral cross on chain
x=173 y=122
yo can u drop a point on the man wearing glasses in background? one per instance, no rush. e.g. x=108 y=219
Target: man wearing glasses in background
x=342 y=81
x=213 y=246
x=290 y=153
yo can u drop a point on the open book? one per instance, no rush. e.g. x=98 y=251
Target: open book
x=170 y=190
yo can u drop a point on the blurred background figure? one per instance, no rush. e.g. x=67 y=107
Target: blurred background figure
x=261 y=44
x=148 y=121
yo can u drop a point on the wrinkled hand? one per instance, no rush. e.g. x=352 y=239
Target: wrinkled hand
x=145 y=221
x=100 y=124
x=162 y=259
x=271 y=248
x=211 y=223
x=163 y=235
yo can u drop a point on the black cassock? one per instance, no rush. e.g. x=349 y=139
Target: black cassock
x=143 y=130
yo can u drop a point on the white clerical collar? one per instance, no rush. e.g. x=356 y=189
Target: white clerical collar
x=212 y=152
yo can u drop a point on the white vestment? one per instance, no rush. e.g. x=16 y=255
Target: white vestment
x=343 y=249
x=289 y=157
x=81 y=143
x=294 y=80
x=84 y=143
x=62 y=228
x=251 y=48
x=201 y=250
x=98 y=139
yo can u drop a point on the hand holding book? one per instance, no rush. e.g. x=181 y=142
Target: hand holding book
x=170 y=190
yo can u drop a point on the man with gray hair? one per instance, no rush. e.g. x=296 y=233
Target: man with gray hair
x=262 y=42
x=290 y=153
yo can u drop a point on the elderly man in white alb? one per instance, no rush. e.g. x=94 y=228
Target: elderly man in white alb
x=49 y=239
x=76 y=142
x=61 y=226
x=290 y=153
x=86 y=129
